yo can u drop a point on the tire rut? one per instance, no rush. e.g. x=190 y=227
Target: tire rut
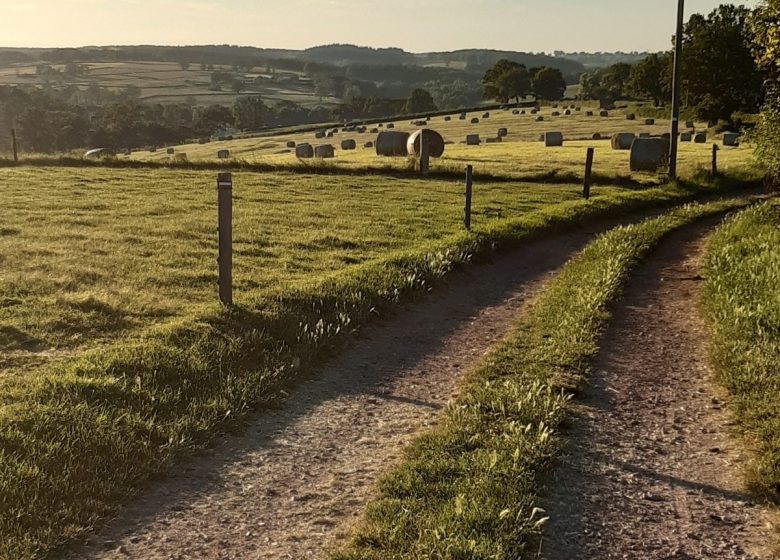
x=652 y=470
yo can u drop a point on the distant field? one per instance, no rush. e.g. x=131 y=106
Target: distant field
x=166 y=82
x=520 y=154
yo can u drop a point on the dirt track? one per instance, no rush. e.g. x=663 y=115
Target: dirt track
x=292 y=485
x=652 y=472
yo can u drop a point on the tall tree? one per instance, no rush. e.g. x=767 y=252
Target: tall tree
x=420 y=101
x=506 y=80
x=766 y=41
x=718 y=64
x=250 y=113
x=651 y=78
x=548 y=83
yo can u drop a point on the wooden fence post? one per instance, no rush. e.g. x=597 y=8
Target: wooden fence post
x=588 y=174
x=424 y=154
x=225 y=236
x=715 y=159
x=469 y=188
x=15 y=147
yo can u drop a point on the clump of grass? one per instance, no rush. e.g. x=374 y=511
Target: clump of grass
x=742 y=304
x=470 y=488
x=78 y=436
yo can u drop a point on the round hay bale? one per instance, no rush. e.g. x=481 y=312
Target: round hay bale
x=667 y=135
x=700 y=138
x=170 y=151
x=603 y=113
x=596 y=136
x=348 y=144
x=324 y=151
x=516 y=112
x=690 y=124
x=475 y=120
x=630 y=117
x=390 y=125
x=319 y=134
x=522 y=112
x=555 y=106
x=447 y=119
x=589 y=114
x=201 y=141
x=578 y=109
x=304 y=151
x=644 y=135
x=368 y=145
x=649 y=121
x=553 y=139
x=567 y=112
x=391 y=143
x=463 y=116
x=686 y=136
x=223 y=154
x=539 y=118
x=622 y=140
x=433 y=141
x=556 y=114
x=374 y=131
x=361 y=130
x=730 y=139
x=534 y=111
x=472 y=140
x=502 y=132
x=486 y=116
x=648 y=154
x=291 y=143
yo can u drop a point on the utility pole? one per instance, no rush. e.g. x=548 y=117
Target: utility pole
x=678 y=46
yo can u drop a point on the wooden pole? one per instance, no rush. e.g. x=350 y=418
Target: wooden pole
x=225 y=236
x=676 y=80
x=588 y=174
x=424 y=154
x=15 y=147
x=469 y=190
x=715 y=159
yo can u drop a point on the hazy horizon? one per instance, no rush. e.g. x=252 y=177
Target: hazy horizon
x=299 y=24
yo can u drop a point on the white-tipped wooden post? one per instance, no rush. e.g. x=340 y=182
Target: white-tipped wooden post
x=225 y=236
x=588 y=174
x=15 y=146
x=469 y=191
x=715 y=159
x=425 y=156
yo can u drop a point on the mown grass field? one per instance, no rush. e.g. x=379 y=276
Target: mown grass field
x=520 y=155
x=116 y=358
x=742 y=304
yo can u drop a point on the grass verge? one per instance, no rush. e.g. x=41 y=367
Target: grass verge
x=742 y=304
x=470 y=488
x=78 y=438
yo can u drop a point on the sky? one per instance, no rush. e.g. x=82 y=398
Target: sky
x=414 y=25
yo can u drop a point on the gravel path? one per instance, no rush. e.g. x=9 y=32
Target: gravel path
x=293 y=484
x=652 y=471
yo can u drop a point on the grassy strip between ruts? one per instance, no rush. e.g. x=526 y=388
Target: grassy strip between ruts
x=471 y=487
x=76 y=440
x=742 y=304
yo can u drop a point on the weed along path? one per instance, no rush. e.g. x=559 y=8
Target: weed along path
x=292 y=485
x=652 y=470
